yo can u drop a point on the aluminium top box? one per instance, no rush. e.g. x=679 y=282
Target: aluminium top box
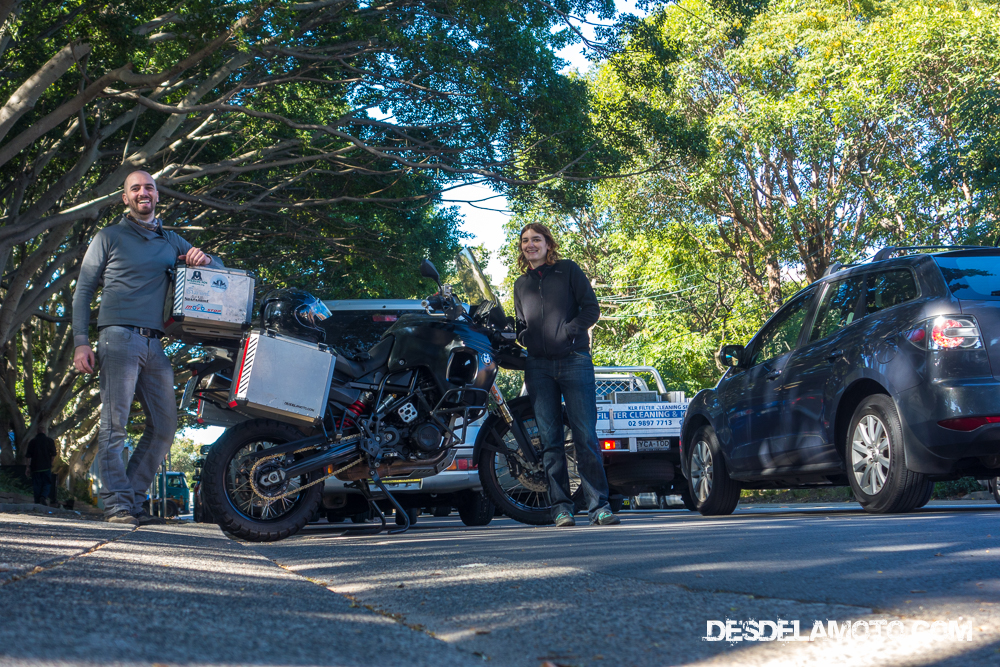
x=283 y=377
x=205 y=303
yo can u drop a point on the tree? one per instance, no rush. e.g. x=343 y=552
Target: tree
x=309 y=138
x=829 y=130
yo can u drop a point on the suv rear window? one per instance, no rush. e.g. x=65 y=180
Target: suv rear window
x=972 y=276
x=838 y=308
x=889 y=288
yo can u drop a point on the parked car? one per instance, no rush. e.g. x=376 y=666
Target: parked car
x=883 y=376
x=177 y=494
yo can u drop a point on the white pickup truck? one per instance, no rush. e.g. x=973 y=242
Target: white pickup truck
x=638 y=431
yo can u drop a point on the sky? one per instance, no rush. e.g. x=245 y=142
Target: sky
x=485 y=219
x=484 y=212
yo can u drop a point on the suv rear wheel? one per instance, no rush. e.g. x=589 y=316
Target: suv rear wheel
x=876 y=470
x=712 y=490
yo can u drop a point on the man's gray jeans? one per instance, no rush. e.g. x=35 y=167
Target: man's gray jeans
x=132 y=366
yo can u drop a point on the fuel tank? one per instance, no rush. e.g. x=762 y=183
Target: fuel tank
x=457 y=353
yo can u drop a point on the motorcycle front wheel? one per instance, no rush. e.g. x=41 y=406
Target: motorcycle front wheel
x=230 y=498
x=520 y=491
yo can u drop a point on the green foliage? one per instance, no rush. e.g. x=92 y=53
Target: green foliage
x=826 y=494
x=955 y=489
x=10 y=483
x=183 y=453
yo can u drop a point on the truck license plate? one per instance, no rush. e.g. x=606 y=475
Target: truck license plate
x=643 y=445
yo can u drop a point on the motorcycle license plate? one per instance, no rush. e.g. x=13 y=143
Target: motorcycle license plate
x=398 y=484
x=643 y=445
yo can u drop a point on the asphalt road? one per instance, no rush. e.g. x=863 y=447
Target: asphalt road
x=643 y=593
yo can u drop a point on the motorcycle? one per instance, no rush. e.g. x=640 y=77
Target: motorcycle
x=396 y=412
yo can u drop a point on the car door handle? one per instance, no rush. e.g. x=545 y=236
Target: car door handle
x=835 y=355
x=773 y=375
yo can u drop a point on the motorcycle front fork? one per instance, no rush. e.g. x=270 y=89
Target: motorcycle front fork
x=528 y=454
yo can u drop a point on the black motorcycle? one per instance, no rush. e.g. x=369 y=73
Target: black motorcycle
x=395 y=412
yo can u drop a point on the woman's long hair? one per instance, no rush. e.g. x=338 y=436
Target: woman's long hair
x=551 y=257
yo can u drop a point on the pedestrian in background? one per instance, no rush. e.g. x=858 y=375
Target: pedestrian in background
x=556 y=305
x=131 y=260
x=40 y=453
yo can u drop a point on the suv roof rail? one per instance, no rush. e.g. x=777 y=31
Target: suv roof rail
x=833 y=268
x=884 y=253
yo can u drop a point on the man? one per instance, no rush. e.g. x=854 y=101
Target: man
x=131 y=259
x=557 y=305
x=41 y=450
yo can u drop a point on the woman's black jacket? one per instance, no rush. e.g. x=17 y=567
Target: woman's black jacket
x=556 y=306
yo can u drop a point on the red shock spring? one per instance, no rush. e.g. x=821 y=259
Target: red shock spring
x=355 y=409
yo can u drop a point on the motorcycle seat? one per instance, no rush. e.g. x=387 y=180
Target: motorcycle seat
x=378 y=356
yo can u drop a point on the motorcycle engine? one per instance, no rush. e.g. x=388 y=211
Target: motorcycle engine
x=421 y=436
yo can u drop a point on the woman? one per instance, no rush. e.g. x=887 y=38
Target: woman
x=557 y=305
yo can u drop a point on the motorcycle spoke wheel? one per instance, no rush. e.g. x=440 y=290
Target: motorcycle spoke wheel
x=522 y=493
x=240 y=491
x=273 y=511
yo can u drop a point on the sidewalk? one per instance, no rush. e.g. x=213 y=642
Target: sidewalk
x=84 y=593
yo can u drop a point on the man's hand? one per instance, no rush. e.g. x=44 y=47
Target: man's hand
x=195 y=257
x=83 y=359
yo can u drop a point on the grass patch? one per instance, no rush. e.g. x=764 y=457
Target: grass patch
x=953 y=490
x=825 y=494
x=14 y=484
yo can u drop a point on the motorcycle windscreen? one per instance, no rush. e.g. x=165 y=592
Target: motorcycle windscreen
x=474 y=289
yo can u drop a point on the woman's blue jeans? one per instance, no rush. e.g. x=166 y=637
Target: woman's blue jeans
x=571 y=378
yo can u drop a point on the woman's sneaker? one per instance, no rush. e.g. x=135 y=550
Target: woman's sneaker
x=565 y=519
x=123 y=516
x=605 y=518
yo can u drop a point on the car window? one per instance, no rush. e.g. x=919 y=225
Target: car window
x=839 y=307
x=359 y=330
x=782 y=332
x=889 y=288
x=972 y=276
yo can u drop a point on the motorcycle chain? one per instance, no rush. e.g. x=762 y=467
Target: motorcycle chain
x=298 y=489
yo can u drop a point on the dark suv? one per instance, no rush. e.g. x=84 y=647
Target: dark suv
x=883 y=376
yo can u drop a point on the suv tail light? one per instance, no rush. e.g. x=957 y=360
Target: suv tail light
x=968 y=423
x=947 y=332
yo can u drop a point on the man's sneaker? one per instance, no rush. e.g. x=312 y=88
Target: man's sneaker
x=123 y=516
x=606 y=518
x=144 y=518
x=565 y=519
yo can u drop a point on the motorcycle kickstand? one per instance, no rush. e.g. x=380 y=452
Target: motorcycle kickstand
x=366 y=530
x=395 y=503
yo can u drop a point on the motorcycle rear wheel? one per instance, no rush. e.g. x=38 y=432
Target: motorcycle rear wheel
x=229 y=498
x=521 y=494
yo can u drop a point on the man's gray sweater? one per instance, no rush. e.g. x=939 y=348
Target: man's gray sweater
x=131 y=263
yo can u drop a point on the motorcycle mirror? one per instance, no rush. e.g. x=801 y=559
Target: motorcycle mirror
x=427 y=270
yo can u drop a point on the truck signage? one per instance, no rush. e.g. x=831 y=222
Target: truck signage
x=656 y=420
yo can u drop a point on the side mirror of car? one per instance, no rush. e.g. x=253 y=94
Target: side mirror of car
x=731 y=356
x=427 y=270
